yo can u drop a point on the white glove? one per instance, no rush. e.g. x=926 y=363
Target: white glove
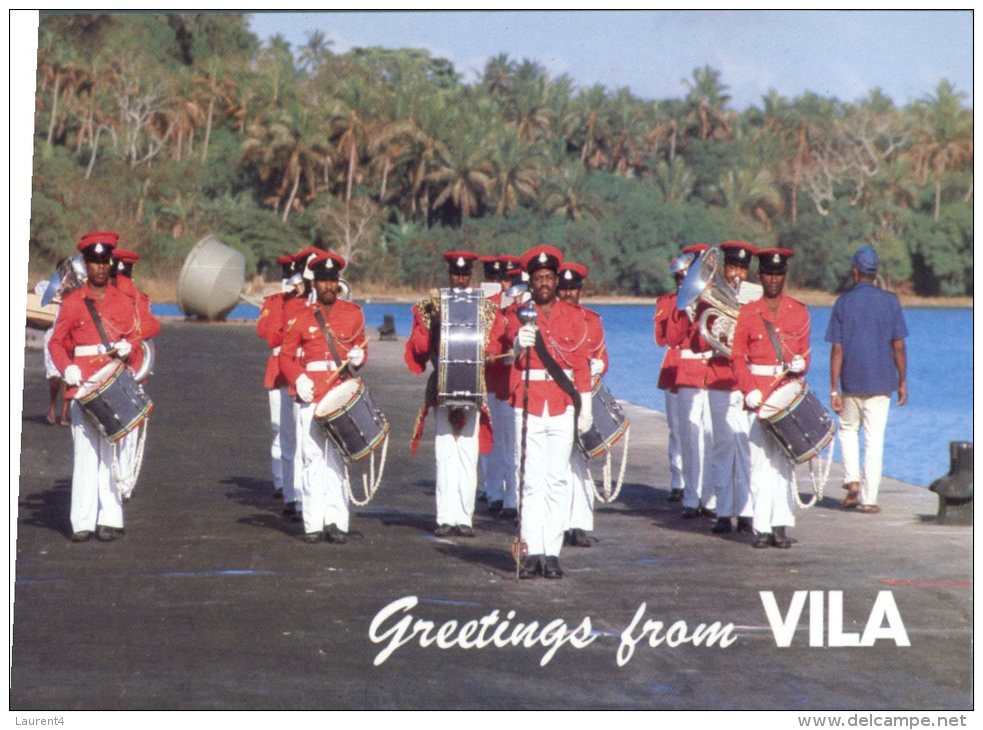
x=526 y=336
x=73 y=375
x=586 y=418
x=596 y=366
x=797 y=365
x=356 y=356
x=123 y=349
x=305 y=388
x=753 y=399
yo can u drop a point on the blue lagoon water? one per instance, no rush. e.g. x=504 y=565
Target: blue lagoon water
x=916 y=449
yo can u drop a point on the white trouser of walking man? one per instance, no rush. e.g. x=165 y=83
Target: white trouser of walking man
x=324 y=495
x=870 y=413
x=696 y=442
x=95 y=499
x=284 y=445
x=676 y=482
x=582 y=493
x=457 y=467
x=730 y=457
x=546 y=487
x=498 y=466
x=771 y=481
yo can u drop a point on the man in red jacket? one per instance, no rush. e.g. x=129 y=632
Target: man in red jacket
x=314 y=373
x=771 y=345
x=79 y=351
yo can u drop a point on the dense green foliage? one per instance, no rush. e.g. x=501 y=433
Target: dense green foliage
x=171 y=126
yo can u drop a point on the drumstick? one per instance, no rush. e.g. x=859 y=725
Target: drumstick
x=337 y=372
x=499 y=357
x=785 y=371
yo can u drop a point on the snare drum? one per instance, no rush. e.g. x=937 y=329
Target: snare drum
x=461 y=357
x=798 y=421
x=114 y=400
x=348 y=418
x=610 y=423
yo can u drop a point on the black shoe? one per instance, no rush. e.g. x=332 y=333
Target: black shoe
x=482 y=497
x=278 y=494
x=690 y=512
x=676 y=495
x=313 y=537
x=290 y=509
x=443 y=531
x=552 y=567
x=108 y=534
x=532 y=565
x=508 y=513
x=745 y=526
x=762 y=540
x=722 y=526
x=780 y=540
x=708 y=513
x=81 y=535
x=332 y=533
x=495 y=507
x=578 y=538
x=464 y=530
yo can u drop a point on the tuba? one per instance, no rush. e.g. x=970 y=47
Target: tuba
x=69 y=275
x=705 y=283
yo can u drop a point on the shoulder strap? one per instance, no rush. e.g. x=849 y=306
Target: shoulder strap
x=91 y=306
x=775 y=344
x=556 y=372
x=327 y=334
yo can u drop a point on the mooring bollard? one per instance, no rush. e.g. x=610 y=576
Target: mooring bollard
x=955 y=490
x=388 y=329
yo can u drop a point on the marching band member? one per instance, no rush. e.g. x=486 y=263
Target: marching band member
x=558 y=407
x=664 y=308
x=78 y=349
x=581 y=518
x=695 y=424
x=270 y=326
x=458 y=436
x=729 y=458
x=771 y=343
x=121 y=275
x=330 y=336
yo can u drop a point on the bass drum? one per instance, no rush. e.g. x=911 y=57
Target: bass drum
x=460 y=360
x=610 y=423
x=797 y=421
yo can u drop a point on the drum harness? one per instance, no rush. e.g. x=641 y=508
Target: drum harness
x=371 y=480
x=819 y=466
x=118 y=478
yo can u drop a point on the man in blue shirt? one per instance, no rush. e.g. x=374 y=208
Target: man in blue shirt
x=868 y=362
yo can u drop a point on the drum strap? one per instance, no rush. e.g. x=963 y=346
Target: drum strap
x=556 y=372
x=776 y=345
x=327 y=334
x=91 y=306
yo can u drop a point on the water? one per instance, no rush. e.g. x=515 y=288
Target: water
x=916 y=448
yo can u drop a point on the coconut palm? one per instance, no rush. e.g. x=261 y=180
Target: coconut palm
x=706 y=100
x=514 y=169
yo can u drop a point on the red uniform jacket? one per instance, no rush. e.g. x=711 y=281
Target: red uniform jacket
x=74 y=327
x=752 y=346
x=664 y=308
x=345 y=321
x=715 y=373
x=270 y=326
x=566 y=337
x=595 y=338
x=497 y=371
x=149 y=324
x=692 y=371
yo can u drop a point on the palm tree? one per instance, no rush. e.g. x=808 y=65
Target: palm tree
x=462 y=174
x=313 y=53
x=706 y=101
x=753 y=193
x=564 y=193
x=673 y=179
x=587 y=126
x=514 y=170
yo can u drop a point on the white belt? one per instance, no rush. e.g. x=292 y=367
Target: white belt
x=766 y=369
x=320 y=366
x=89 y=350
x=276 y=350
x=690 y=355
x=544 y=375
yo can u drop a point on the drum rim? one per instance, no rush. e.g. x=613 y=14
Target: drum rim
x=608 y=443
x=344 y=408
x=100 y=387
x=131 y=426
x=372 y=445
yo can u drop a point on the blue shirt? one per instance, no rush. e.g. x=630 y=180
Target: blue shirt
x=866 y=321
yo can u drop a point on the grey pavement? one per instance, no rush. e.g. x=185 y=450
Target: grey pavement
x=211 y=601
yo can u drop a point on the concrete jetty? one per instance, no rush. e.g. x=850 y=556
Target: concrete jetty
x=212 y=601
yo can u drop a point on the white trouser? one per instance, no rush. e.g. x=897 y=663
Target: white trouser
x=457 y=467
x=546 y=488
x=297 y=493
x=581 y=493
x=870 y=413
x=498 y=466
x=696 y=443
x=50 y=371
x=771 y=481
x=676 y=481
x=324 y=496
x=126 y=457
x=284 y=444
x=730 y=459
x=95 y=500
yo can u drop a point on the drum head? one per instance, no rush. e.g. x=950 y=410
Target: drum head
x=337 y=398
x=102 y=376
x=781 y=398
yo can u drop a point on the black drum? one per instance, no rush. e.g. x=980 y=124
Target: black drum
x=798 y=421
x=610 y=423
x=461 y=357
x=350 y=419
x=114 y=400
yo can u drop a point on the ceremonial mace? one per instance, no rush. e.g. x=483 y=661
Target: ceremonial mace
x=527 y=315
